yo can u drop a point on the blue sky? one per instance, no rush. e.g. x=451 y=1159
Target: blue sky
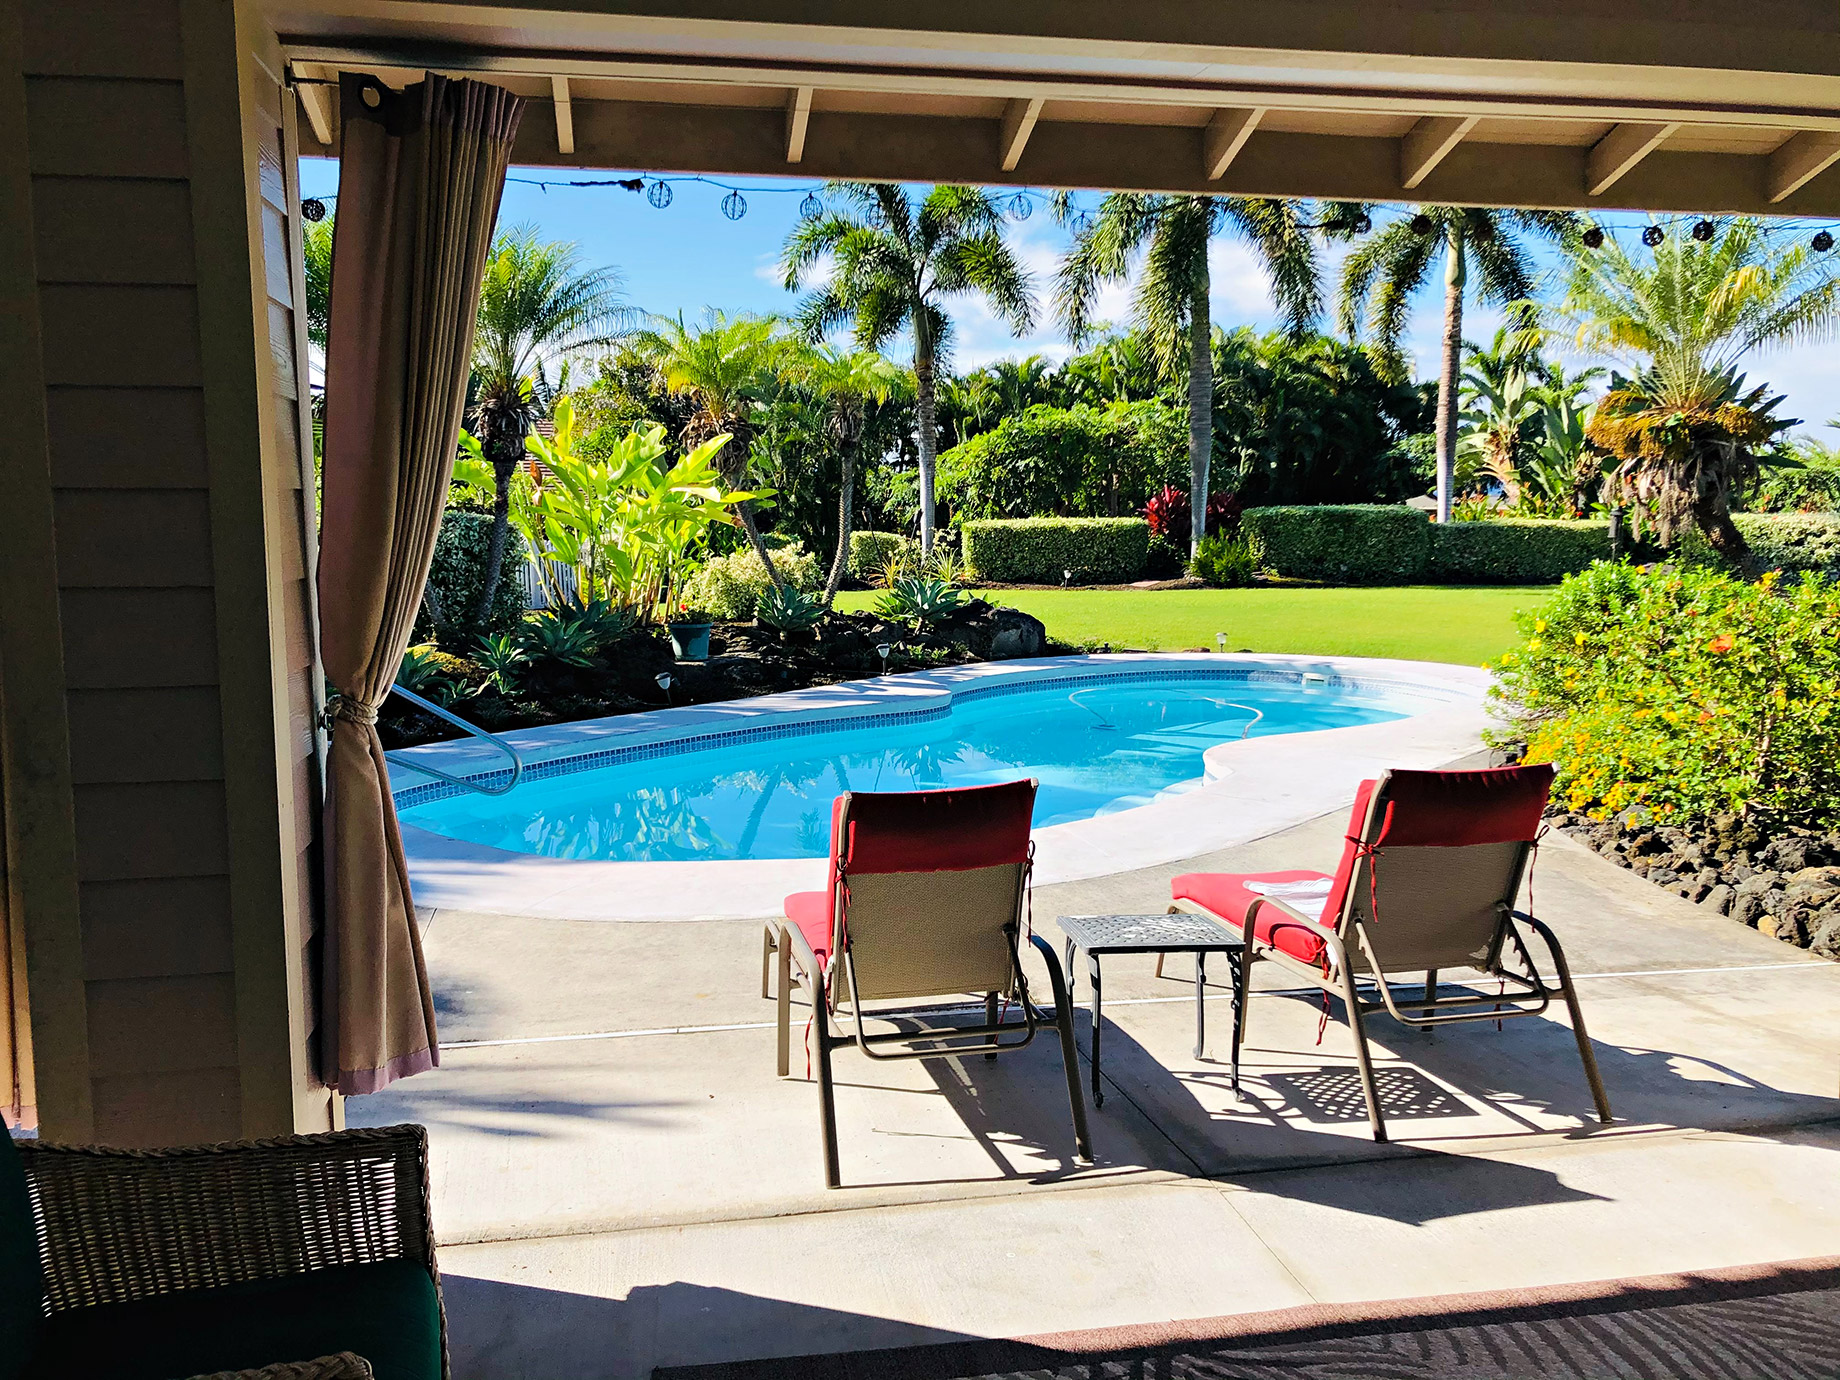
x=689 y=256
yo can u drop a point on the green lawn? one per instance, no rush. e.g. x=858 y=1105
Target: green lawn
x=1468 y=625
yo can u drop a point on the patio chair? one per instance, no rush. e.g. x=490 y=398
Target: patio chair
x=300 y=1258
x=928 y=898
x=1432 y=866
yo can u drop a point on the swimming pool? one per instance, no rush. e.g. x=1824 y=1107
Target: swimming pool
x=1097 y=744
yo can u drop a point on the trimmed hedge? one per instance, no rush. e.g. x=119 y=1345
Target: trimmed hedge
x=1038 y=550
x=1350 y=544
x=1793 y=541
x=459 y=571
x=1515 y=551
x=870 y=551
x=731 y=586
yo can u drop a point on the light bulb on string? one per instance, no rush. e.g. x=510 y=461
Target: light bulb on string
x=313 y=209
x=811 y=206
x=659 y=194
x=1593 y=238
x=1822 y=242
x=734 y=206
x=1362 y=223
x=1421 y=224
x=1652 y=235
x=1020 y=207
x=1703 y=230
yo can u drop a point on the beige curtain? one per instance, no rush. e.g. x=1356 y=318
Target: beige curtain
x=420 y=174
x=18 y=1100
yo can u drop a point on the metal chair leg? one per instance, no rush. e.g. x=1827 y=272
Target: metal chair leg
x=1431 y=985
x=785 y=1007
x=827 y=1099
x=1070 y=1055
x=1585 y=1053
x=990 y=1017
x=767 y=945
x=1362 y=1058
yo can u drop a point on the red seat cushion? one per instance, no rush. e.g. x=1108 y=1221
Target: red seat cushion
x=1226 y=895
x=810 y=911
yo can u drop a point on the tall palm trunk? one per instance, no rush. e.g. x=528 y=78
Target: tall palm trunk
x=1200 y=403
x=732 y=465
x=840 y=563
x=745 y=511
x=1454 y=274
x=927 y=442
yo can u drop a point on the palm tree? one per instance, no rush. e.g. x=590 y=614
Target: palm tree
x=849 y=383
x=721 y=367
x=316 y=250
x=1379 y=278
x=536 y=302
x=1683 y=428
x=1173 y=294
x=894 y=266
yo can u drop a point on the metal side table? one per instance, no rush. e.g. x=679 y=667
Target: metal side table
x=1177 y=933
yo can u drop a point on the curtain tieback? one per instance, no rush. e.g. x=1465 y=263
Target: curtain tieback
x=344 y=708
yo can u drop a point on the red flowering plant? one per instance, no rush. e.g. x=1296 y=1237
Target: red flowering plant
x=1169 y=513
x=1688 y=692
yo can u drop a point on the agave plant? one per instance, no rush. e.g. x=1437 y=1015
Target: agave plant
x=787 y=609
x=504 y=659
x=556 y=637
x=920 y=600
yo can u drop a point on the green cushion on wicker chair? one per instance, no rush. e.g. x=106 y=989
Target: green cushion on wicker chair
x=388 y=1313
x=22 y=1287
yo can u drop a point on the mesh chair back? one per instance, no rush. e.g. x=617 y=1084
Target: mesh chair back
x=1434 y=862
x=927 y=887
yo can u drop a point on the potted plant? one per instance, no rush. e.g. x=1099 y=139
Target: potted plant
x=689 y=629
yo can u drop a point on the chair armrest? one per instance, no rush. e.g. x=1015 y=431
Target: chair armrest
x=343 y=1366
x=119 y=1225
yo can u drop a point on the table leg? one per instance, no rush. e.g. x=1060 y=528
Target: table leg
x=1200 y=1002
x=1068 y=968
x=1240 y=966
x=1092 y=974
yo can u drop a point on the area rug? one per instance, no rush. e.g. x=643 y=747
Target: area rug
x=1765 y=1322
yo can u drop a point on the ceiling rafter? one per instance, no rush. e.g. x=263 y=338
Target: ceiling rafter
x=1019 y=118
x=1620 y=150
x=565 y=114
x=1226 y=134
x=1428 y=143
x=1800 y=158
x=798 y=120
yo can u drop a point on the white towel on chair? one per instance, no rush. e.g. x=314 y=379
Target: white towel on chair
x=1310 y=896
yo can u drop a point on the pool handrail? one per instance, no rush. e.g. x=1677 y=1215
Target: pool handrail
x=469 y=783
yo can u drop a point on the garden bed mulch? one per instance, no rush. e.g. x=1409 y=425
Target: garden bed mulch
x=1781 y=881
x=744 y=660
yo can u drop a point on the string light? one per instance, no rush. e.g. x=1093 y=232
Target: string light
x=1593 y=238
x=1703 y=230
x=812 y=206
x=313 y=209
x=659 y=194
x=1822 y=242
x=1652 y=235
x=1421 y=224
x=734 y=206
x=1362 y=223
x=1021 y=206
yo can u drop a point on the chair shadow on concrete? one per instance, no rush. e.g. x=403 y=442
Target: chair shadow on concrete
x=501 y=1331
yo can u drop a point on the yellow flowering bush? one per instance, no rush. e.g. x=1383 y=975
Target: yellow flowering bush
x=1686 y=691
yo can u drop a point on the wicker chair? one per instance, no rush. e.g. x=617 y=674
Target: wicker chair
x=300 y=1258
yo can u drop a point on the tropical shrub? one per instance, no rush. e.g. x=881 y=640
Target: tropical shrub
x=919 y=600
x=1045 y=550
x=788 y=609
x=1080 y=461
x=457 y=576
x=1169 y=513
x=1789 y=542
x=435 y=675
x=731 y=586
x=872 y=552
x=1224 y=562
x=1514 y=551
x=1685 y=691
x=1341 y=543
x=1808 y=483
x=504 y=659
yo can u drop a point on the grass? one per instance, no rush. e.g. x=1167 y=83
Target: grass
x=1463 y=624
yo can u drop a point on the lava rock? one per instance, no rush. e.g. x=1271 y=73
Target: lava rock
x=1718 y=898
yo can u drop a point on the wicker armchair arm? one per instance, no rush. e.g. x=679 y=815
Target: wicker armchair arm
x=343 y=1366
x=119 y=1225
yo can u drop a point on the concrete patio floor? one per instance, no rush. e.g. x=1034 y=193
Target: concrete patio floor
x=621 y=1182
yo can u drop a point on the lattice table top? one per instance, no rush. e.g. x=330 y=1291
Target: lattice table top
x=1147 y=933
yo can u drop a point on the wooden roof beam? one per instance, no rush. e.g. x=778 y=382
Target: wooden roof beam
x=1226 y=134
x=565 y=114
x=1428 y=143
x=315 y=104
x=798 y=120
x=1620 y=150
x=1019 y=118
x=1798 y=160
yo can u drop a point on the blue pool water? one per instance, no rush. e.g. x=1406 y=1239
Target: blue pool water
x=1094 y=749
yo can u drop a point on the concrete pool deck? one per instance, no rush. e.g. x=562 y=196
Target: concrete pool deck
x=1252 y=787
x=621 y=1182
